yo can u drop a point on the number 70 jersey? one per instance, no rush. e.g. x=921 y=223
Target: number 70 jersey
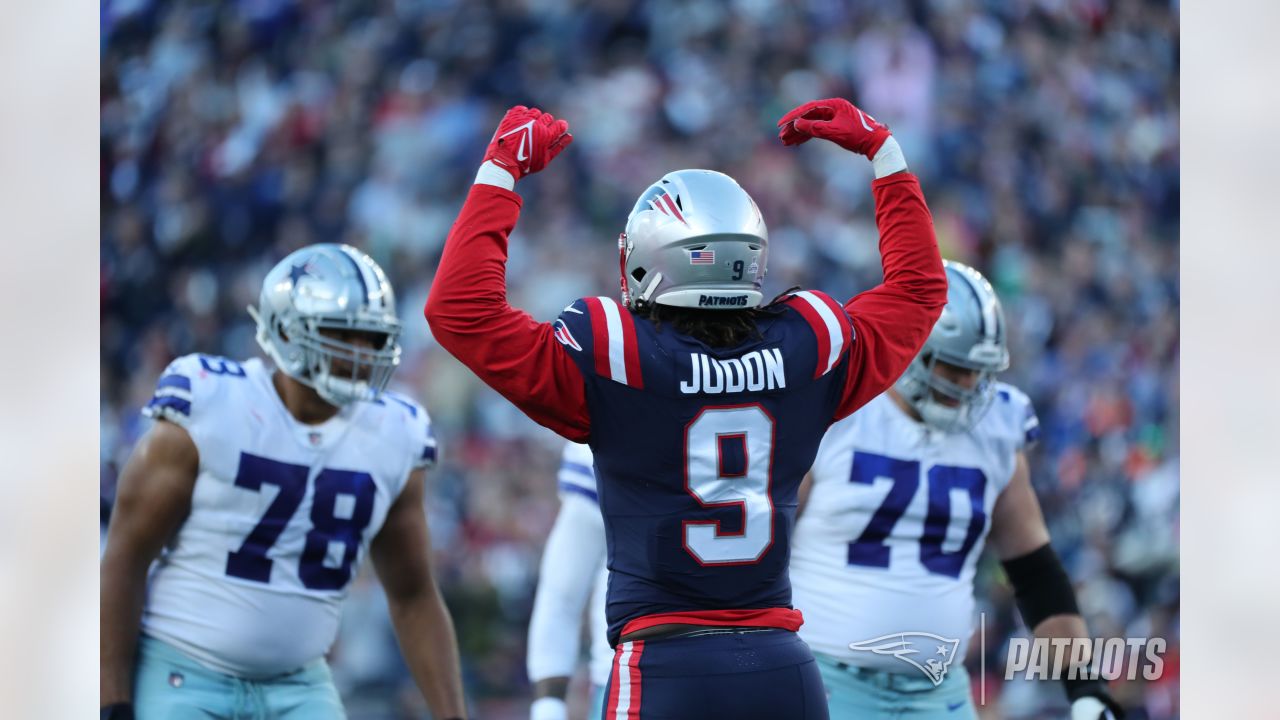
x=281 y=515
x=896 y=518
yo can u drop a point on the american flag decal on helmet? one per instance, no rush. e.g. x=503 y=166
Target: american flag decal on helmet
x=702 y=257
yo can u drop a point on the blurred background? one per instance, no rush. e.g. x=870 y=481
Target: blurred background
x=1045 y=134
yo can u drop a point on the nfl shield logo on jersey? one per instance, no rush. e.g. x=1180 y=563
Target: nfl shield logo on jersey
x=930 y=654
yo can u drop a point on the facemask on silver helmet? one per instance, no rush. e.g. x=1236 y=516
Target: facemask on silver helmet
x=694 y=239
x=313 y=295
x=969 y=334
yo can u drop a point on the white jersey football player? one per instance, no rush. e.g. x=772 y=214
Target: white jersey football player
x=243 y=514
x=572 y=579
x=902 y=496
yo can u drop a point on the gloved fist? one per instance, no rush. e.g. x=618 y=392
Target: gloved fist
x=526 y=140
x=837 y=120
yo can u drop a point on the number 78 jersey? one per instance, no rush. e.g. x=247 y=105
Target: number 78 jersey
x=281 y=515
x=894 y=523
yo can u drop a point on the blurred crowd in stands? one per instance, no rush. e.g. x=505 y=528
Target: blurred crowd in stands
x=1045 y=134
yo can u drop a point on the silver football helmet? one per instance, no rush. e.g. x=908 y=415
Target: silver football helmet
x=970 y=334
x=694 y=239
x=315 y=292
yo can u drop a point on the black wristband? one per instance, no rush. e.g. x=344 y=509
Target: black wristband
x=117 y=711
x=1041 y=586
x=1081 y=687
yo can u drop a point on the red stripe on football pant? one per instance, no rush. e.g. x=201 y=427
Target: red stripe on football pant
x=637 y=649
x=611 y=705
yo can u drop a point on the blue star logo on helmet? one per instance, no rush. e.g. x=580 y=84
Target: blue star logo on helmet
x=297 y=272
x=310 y=330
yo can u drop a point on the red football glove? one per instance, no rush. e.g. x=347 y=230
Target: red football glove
x=837 y=120
x=526 y=140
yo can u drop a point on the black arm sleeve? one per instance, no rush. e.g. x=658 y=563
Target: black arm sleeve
x=1041 y=586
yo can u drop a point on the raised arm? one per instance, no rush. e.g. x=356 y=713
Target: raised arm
x=892 y=320
x=468 y=309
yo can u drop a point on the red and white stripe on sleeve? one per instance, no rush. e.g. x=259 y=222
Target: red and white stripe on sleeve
x=831 y=326
x=613 y=331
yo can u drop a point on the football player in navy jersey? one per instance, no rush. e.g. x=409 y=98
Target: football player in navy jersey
x=703 y=404
x=245 y=511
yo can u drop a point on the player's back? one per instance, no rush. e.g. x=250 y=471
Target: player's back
x=700 y=451
x=281 y=514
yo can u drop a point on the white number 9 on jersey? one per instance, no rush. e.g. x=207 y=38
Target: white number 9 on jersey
x=728 y=462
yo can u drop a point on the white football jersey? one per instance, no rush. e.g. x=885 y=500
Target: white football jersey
x=577 y=475
x=281 y=515
x=893 y=526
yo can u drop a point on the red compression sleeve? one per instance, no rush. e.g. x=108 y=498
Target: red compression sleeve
x=470 y=317
x=892 y=320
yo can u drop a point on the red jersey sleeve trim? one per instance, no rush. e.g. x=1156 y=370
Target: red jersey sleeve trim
x=781 y=618
x=830 y=326
x=599 y=335
x=617 y=352
x=631 y=349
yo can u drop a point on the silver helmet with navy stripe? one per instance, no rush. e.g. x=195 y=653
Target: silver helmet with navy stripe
x=327 y=318
x=694 y=239
x=970 y=334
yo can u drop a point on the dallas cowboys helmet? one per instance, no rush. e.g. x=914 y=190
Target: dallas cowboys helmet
x=971 y=334
x=694 y=239
x=329 y=287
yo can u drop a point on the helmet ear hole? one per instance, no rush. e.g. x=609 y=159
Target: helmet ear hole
x=638 y=274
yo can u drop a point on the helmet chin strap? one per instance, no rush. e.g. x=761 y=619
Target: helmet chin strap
x=622 y=268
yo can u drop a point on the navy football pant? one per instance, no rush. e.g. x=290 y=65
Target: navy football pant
x=757 y=674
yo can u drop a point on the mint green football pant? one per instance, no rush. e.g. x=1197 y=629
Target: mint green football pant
x=595 y=711
x=169 y=685
x=875 y=694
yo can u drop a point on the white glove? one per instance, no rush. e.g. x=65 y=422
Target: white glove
x=548 y=708
x=1090 y=708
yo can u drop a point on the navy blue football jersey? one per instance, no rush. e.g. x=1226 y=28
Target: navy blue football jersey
x=700 y=451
